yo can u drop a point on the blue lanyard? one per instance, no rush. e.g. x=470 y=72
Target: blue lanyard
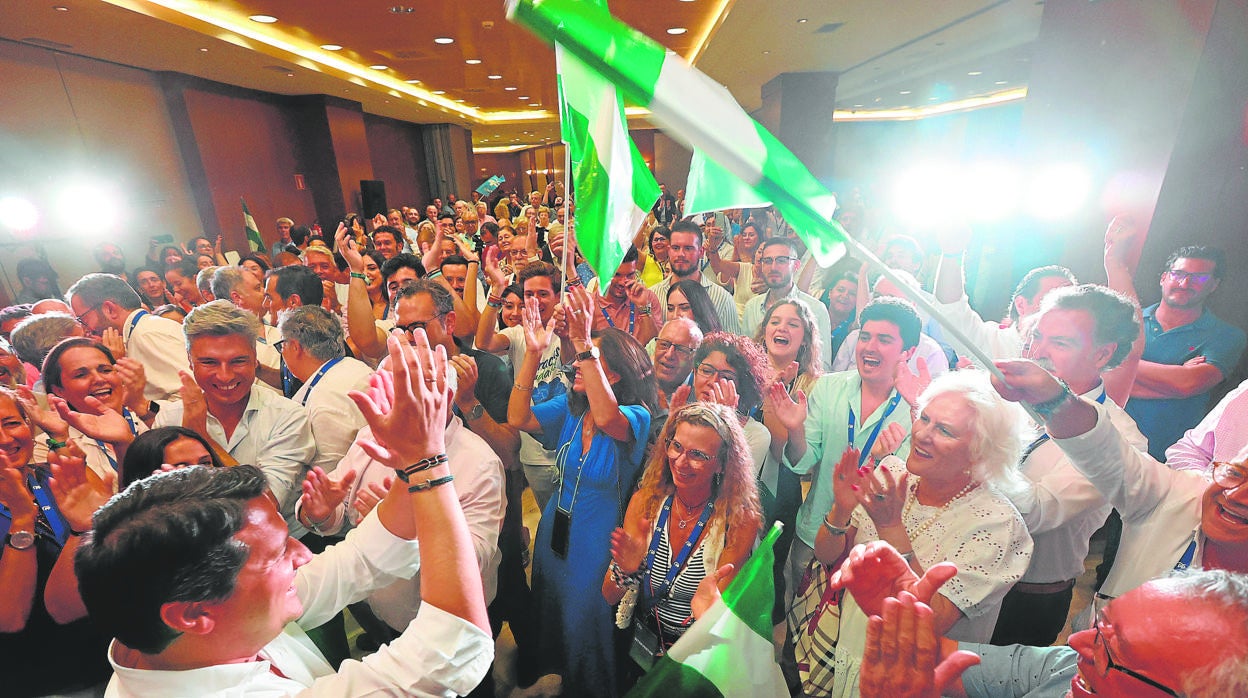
x=632 y=315
x=134 y=321
x=317 y=378
x=866 y=448
x=1186 y=561
x=51 y=515
x=1031 y=447
x=682 y=557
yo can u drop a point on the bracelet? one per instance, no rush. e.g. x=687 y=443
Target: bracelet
x=522 y=388
x=429 y=484
x=315 y=526
x=494 y=302
x=834 y=530
x=643 y=310
x=360 y=276
x=574 y=281
x=54 y=445
x=425 y=464
x=1048 y=407
x=622 y=580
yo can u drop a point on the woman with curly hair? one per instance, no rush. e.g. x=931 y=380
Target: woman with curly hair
x=696 y=509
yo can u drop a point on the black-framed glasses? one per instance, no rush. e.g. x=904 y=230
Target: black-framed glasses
x=1179 y=276
x=1104 y=662
x=277 y=346
x=82 y=319
x=675 y=450
x=708 y=371
x=1229 y=475
x=411 y=327
x=781 y=260
x=664 y=345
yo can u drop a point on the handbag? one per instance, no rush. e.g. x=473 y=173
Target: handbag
x=814 y=621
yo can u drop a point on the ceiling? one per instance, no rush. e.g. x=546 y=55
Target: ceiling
x=890 y=55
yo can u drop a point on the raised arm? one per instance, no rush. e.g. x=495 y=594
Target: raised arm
x=1123 y=245
x=488 y=337
x=536 y=337
x=361 y=327
x=603 y=405
x=17 y=567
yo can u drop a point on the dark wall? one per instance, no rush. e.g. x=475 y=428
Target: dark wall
x=397 y=153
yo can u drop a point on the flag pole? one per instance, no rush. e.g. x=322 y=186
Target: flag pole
x=567 y=222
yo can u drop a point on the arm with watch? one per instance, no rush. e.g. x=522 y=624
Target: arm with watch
x=79 y=493
x=18 y=562
x=604 y=408
x=504 y=440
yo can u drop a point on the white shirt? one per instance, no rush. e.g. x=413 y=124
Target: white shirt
x=996 y=341
x=266 y=354
x=439 y=654
x=101 y=456
x=160 y=345
x=756 y=309
x=725 y=306
x=1220 y=436
x=1061 y=508
x=927 y=349
x=1160 y=508
x=547 y=383
x=333 y=417
x=479 y=484
x=273 y=435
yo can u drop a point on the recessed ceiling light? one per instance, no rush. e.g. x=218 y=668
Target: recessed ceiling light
x=290 y=75
x=766 y=53
x=203 y=50
x=61 y=8
x=473 y=61
x=535 y=104
x=1002 y=82
x=263 y=19
x=975 y=72
x=402 y=9
x=331 y=47
x=379 y=66
x=412 y=82
x=802 y=20
x=523 y=99
x=676 y=31
x=494 y=77
x=857 y=106
x=510 y=89
x=444 y=40
x=904 y=92
x=439 y=92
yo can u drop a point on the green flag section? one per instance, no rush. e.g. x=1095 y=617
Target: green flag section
x=614 y=187
x=712 y=188
x=728 y=651
x=692 y=108
x=253 y=233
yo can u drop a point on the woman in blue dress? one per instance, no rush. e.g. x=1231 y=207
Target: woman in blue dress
x=599 y=429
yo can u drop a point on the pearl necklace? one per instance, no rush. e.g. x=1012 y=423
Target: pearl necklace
x=683 y=522
x=913 y=497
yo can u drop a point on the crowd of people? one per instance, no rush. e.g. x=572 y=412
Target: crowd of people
x=208 y=460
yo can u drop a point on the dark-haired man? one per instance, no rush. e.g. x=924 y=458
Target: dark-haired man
x=195 y=575
x=387 y=240
x=1187 y=349
x=777 y=268
x=685 y=255
x=627 y=304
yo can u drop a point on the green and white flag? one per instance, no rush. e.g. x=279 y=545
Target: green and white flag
x=253 y=233
x=692 y=108
x=614 y=187
x=728 y=651
x=712 y=188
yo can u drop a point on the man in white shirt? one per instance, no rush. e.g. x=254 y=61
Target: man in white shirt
x=777 y=267
x=685 y=256
x=1216 y=439
x=314 y=347
x=246 y=291
x=242 y=421
x=103 y=303
x=197 y=578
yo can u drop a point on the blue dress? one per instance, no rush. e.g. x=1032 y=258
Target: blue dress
x=576 y=626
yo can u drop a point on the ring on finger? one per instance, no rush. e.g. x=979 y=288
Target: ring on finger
x=879 y=497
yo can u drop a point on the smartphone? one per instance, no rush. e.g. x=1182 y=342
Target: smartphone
x=162 y=239
x=559 y=532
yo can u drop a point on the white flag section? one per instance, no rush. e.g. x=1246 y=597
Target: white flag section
x=712 y=188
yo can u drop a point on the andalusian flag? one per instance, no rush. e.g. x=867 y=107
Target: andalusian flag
x=692 y=108
x=253 y=233
x=728 y=651
x=614 y=187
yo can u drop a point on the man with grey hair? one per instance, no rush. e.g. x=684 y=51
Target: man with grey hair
x=203 y=282
x=242 y=421
x=314 y=348
x=674 y=348
x=35 y=336
x=103 y=303
x=246 y=290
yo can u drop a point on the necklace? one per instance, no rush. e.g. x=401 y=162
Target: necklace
x=913 y=497
x=682 y=522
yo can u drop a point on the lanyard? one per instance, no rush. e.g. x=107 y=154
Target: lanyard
x=1186 y=561
x=320 y=373
x=682 y=557
x=51 y=515
x=131 y=325
x=632 y=315
x=563 y=464
x=1031 y=447
x=866 y=448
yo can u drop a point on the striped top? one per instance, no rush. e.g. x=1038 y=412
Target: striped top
x=675 y=609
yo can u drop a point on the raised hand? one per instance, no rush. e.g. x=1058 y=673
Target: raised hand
x=466 y=375
x=322 y=495
x=493 y=273
x=350 y=251
x=15 y=496
x=103 y=422
x=366 y=498
x=724 y=392
x=888 y=441
x=680 y=397
x=708 y=590
x=194 y=405
x=378 y=221
x=903 y=653
x=133 y=381
x=47 y=419
x=465 y=250
x=413 y=426
x=875 y=571
x=432 y=258
x=636 y=291
x=910 y=384
x=883 y=496
x=78 y=490
x=847 y=477
x=1025 y=381
x=581 y=309
x=953 y=239
x=629 y=545
x=791 y=411
x=111 y=338
x=537 y=337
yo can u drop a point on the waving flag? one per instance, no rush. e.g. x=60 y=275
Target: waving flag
x=253 y=233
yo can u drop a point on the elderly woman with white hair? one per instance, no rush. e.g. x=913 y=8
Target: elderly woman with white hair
x=946 y=502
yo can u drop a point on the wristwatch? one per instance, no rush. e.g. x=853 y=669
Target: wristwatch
x=590 y=353
x=475 y=413
x=20 y=540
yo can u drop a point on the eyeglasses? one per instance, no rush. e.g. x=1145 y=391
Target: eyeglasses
x=664 y=345
x=82 y=319
x=411 y=327
x=708 y=371
x=277 y=346
x=675 y=450
x=1186 y=276
x=1229 y=475
x=1104 y=661
x=781 y=260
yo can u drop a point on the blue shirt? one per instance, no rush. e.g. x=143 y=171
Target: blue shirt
x=1165 y=420
x=1018 y=671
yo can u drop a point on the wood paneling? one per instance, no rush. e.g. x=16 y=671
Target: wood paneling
x=397 y=154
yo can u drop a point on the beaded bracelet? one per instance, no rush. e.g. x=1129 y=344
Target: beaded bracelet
x=430 y=484
x=360 y=276
x=624 y=581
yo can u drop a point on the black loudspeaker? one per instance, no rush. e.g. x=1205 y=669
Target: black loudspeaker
x=372 y=197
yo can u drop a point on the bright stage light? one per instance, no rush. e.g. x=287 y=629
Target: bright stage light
x=990 y=191
x=91 y=207
x=1059 y=190
x=18 y=214
x=927 y=194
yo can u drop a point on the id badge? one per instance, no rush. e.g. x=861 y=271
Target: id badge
x=645 y=648
x=559 y=532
